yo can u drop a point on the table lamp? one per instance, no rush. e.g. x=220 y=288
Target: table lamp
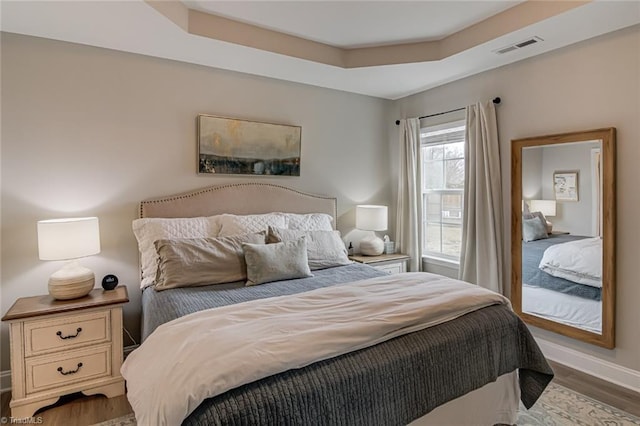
x=371 y=218
x=546 y=207
x=66 y=239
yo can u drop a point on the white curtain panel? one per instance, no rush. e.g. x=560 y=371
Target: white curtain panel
x=409 y=208
x=482 y=229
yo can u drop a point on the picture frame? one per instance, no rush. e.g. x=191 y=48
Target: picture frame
x=565 y=186
x=233 y=146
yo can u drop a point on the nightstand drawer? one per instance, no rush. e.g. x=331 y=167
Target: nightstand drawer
x=46 y=372
x=389 y=263
x=394 y=268
x=68 y=332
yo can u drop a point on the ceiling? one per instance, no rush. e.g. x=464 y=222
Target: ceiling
x=386 y=49
x=358 y=23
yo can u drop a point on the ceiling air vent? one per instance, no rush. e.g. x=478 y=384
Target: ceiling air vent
x=519 y=45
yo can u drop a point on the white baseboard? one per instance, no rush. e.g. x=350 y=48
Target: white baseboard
x=5 y=376
x=605 y=370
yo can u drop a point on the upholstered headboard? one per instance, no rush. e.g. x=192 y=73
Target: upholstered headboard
x=238 y=198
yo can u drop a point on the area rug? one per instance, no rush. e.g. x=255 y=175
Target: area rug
x=558 y=406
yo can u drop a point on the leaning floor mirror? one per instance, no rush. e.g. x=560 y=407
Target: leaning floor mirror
x=563 y=233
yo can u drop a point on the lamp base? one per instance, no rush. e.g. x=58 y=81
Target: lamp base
x=71 y=282
x=371 y=246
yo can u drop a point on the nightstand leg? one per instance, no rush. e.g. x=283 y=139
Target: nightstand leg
x=23 y=411
x=114 y=389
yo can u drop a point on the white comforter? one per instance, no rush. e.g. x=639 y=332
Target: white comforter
x=206 y=353
x=579 y=261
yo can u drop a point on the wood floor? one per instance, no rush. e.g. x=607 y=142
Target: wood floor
x=77 y=410
x=82 y=410
x=616 y=396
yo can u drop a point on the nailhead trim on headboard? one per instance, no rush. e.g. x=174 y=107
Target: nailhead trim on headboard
x=213 y=189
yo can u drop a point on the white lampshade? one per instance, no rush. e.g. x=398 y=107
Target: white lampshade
x=546 y=207
x=371 y=218
x=60 y=239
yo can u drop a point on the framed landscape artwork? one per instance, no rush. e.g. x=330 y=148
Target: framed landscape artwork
x=241 y=147
x=565 y=186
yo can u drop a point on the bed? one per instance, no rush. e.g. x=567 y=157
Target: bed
x=472 y=369
x=560 y=299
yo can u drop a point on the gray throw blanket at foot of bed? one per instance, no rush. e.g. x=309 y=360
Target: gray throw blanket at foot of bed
x=393 y=382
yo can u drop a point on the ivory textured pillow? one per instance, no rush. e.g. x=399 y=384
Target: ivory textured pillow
x=308 y=222
x=149 y=230
x=276 y=262
x=201 y=261
x=325 y=249
x=231 y=224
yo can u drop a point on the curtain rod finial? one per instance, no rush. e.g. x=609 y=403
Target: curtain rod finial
x=497 y=100
x=397 y=122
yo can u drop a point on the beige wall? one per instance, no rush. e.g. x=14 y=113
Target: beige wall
x=93 y=131
x=88 y=131
x=589 y=85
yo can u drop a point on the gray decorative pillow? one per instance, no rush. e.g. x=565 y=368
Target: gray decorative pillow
x=276 y=262
x=325 y=249
x=543 y=219
x=187 y=262
x=533 y=229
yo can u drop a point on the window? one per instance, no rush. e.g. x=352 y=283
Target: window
x=442 y=156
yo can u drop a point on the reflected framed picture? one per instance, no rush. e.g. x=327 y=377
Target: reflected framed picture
x=565 y=186
x=240 y=147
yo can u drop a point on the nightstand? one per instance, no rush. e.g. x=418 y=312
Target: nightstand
x=391 y=263
x=60 y=347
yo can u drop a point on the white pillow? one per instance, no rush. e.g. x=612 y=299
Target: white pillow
x=231 y=224
x=150 y=230
x=308 y=222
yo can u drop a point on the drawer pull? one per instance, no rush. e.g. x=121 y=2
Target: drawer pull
x=64 y=373
x=71 y=336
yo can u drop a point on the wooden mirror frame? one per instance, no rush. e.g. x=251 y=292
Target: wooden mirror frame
x=608 y=138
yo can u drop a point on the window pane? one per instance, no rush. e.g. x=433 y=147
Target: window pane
x=432 y=207
x=432 y=238
x=454 y=174
x=451 y=240
x=454 y=150
x=452 y=209
x=433 y=174
x=433 y=152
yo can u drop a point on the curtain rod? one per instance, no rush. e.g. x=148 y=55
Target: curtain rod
x=495 y=101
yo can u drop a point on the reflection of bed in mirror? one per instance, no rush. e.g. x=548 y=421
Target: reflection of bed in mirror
x=585 y=208
x=562 y=299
